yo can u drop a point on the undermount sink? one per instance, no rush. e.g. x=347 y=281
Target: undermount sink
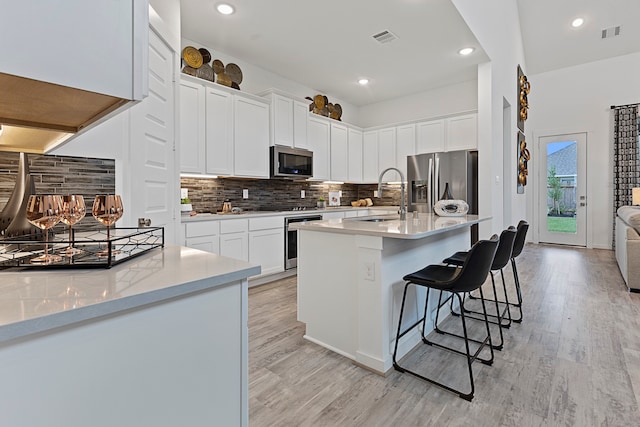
x=376 y=218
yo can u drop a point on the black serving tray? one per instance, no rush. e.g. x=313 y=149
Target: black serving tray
x=123 y=244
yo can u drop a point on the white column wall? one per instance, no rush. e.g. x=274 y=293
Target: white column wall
x=578 y=99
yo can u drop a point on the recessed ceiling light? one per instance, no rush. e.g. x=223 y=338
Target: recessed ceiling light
x=466 y=51
x=224 y=8
x=577 y=22
x=363 y=81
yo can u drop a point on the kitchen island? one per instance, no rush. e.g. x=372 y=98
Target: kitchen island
x=350 y=280
x=158 y=340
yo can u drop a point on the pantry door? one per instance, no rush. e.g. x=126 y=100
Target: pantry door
x=152 y=147
x=562 y=189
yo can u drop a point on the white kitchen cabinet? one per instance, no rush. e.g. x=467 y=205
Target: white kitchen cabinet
x=339 y=153
x=203 y=235
x=300 y=114
x=405 y=146
x=350 y=214
x=266 y=243
x=355 y=156
x=430 y=136
x=192 y=127
x=318 y=137
x=251 y=137
x=281 y=120
x=370 y=170
x=219 y=131
x=462 y=132
x=387 y=153
x=332 y=215
x=234 y=239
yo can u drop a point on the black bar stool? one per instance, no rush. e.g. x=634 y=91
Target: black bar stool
x=456 y=280
x=518 y=245
x=503 y=255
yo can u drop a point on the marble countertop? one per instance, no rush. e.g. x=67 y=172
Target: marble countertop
x=255 y=214
x=424 y=225
x=37 y=301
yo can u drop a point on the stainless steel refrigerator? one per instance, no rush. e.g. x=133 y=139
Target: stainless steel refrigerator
x=428 y=175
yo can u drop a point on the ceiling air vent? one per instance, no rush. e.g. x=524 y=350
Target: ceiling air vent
x=384 y=37
x=610 y=32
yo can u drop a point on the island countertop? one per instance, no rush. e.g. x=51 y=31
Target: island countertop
x=35 y=301
x=414 y=227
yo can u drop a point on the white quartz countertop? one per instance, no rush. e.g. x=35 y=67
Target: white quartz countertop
x=424 y=225
x=37 y=301
x=256 y=214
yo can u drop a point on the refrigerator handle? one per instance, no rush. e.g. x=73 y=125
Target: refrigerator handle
x=430 y=186
x=437 y=179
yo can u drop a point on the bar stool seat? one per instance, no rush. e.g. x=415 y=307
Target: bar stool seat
x=456 y=280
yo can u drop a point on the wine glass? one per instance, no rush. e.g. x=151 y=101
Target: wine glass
x=107 y=209
x=73 y=210
x=44 y=211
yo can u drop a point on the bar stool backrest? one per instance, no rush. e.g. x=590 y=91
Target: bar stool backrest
x=476 y=266
x=505 y=248
x=521 y=235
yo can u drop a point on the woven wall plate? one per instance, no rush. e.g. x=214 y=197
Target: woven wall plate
x=192 y=57
x=190 y=70
x=206 y=56
x=234 y=72
x=218 y=66
x=223 y=79
x=205 y=72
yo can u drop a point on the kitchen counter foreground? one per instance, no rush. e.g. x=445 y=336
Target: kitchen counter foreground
x=37 y=301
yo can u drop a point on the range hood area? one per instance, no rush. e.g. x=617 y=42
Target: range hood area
x=37 y=116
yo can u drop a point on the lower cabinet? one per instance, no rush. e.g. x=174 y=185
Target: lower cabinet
x=266 y=248
x=203 y=235
x=204 y=243
x=234 y=242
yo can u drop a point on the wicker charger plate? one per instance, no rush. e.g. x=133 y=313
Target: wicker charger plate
x=224 y=79
x=192 y=57
x=205 y=72
x=206 y=56
x=218 y=66
x=234 y=72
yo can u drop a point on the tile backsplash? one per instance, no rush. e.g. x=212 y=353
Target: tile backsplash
x=207 y=195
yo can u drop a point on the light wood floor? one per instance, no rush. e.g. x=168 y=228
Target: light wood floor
x=574 y=361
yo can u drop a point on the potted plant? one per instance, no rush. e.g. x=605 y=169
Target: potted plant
x=322 y=203
x=185 y=205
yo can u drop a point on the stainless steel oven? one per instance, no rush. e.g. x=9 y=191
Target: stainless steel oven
x=291 y=239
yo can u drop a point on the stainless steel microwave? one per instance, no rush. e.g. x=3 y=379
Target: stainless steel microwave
x=287 y=162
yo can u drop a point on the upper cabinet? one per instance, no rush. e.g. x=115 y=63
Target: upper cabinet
x=80 y=83
x=450 y=134
x=387 y=153
x=318 y=137
x=405 y=146
x=370 y=170
x=462 y=132
x=236 y=131
x=339 y=153
x=288 y=120
x=355 y=155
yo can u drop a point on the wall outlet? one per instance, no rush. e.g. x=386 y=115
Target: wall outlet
x=302 y=194
x=245 y=193
x=375 y=193
x=340 y=193
x=369 y=271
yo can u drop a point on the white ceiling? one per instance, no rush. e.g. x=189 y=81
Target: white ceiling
x=327 y=45
x=551 y=43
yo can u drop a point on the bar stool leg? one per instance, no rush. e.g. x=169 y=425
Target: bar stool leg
x=516 y=280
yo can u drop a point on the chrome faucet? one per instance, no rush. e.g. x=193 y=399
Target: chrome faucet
x=403 y=207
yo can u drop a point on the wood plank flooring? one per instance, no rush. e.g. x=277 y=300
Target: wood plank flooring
x=574 y=361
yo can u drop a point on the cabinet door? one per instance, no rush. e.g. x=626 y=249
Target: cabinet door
x=405 y=146
x=339 y=153
x=251 y=138
x=430 y=137
x=355 y=156
x=370 y=170
x=282 y=119
x=192 y=127
x=318 y=138
x=266 y=248
x=387 y=153
x=333 y=215
x=204 y=243
x=300 y=113
x=219 y=132
x=235 y=245
x=462 y=133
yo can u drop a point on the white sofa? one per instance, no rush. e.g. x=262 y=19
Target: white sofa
x=628 y=245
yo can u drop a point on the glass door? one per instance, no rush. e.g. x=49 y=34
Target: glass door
x=562 y=189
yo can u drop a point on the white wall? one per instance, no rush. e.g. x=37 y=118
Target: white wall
x=578 y=99
x=256 y=79
x=496 y=25
x=431 y=103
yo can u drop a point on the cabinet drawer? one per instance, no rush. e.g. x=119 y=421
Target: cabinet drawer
x=266 y=223
x=233 y=226
x=204 y=228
